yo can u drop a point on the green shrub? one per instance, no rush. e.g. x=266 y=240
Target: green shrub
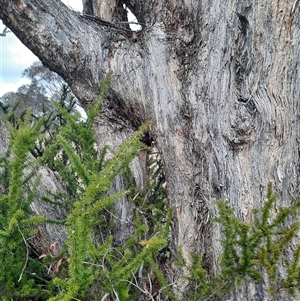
x=92 y=269
x=251 y=250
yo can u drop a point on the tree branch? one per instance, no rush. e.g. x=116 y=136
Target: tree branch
x=27 y=255
x=64 y=40
x=4 y=32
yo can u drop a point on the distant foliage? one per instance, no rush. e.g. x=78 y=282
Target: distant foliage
x=44 y=87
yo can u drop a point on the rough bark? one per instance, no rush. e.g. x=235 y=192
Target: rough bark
x=49 y=237
x=219 y=80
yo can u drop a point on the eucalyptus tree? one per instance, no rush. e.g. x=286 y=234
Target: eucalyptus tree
x=45 y=86
x=218 y=79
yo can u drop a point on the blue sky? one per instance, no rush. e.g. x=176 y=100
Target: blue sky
x=15 y=57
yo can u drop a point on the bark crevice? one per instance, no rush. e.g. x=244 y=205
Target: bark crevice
x=219 y=81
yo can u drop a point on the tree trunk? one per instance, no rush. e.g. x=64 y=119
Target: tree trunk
x=50 y=237
x=219 y=80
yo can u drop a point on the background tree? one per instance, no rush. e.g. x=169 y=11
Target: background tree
x=27 y=96
x=45 y=86
x=49 y=82
x=219 y=80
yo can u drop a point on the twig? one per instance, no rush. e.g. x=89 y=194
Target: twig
x=150 y=283
x=131 y=22
x=141 y=270
x=5 y=31
x=116 y=294
x=294 y=6
x=112 y=214
x=136 y=195
x=27 y=255
x=146 y=292
x=106 y=23
x=94 y=264
x=209 y=297
x=104 y=297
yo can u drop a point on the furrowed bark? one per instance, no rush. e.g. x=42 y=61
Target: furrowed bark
x=220 y=82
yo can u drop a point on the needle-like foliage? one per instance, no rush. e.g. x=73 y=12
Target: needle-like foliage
x=89 y=267
x=252 y=250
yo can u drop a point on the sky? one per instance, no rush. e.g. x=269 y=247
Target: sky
x=15 y=57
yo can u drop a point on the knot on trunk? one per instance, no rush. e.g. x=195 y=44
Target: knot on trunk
x=242 y=126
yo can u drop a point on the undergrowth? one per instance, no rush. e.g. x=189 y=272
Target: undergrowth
x=252 y=250
x=88 y=267
x=92 y=265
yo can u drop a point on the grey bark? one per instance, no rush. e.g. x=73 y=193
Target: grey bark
x=49 y=237
x=219 y=80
